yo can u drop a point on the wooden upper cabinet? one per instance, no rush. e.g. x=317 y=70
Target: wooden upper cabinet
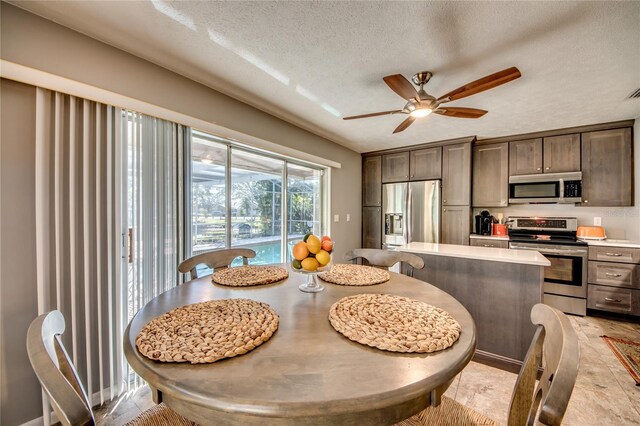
x=561 y=153
x=607 y=168
x=372 y=181
x=395 y=167
x=425 y=164
x=525 y=157
x=491 y=175
x=456 y=174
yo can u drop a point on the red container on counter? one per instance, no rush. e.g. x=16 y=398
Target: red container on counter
x=499 y=229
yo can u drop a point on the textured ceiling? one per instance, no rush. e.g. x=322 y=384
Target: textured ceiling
x=312 y=63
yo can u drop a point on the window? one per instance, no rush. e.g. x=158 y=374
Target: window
x=237 y=199
x=304 y=202
x=256 y=205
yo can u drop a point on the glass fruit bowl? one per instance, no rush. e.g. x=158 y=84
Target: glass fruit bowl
x=312 y=257
x=312 y=285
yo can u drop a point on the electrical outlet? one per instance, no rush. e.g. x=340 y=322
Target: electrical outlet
x=348 y=217
x=597 y=221
x=336 y=218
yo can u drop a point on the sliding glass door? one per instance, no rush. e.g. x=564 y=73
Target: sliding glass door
x=256 y=205
x=246 y=198
x=208 y=195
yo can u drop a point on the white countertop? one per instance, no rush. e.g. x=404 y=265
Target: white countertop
x=614 y=243
x=490 y=237
x=524 y=257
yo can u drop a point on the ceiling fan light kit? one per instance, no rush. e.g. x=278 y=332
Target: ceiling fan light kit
x=420 y=103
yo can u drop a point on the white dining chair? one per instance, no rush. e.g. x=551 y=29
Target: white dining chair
x=59 y=379
x=385 y=259
x=215 y=259
x=554 y=350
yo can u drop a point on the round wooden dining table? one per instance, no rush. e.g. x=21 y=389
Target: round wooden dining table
x=307 y=373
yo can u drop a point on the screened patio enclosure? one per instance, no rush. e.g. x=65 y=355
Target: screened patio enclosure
x=237 y=200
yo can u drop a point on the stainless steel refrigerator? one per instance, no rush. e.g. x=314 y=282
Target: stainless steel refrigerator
x=411 y=212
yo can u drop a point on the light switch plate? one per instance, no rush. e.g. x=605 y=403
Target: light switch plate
x=336 y=218
x=597 y=221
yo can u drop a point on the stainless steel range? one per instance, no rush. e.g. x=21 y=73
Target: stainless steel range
x=565 y=281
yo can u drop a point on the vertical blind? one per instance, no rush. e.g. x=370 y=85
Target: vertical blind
x=77 y=235
x=153 y=210
x=107 y=181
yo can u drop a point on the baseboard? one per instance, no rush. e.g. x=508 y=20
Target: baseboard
x=35 y=422
x=498 y=361
x=95 y=401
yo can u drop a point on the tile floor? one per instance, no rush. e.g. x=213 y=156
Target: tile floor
x=605 y=394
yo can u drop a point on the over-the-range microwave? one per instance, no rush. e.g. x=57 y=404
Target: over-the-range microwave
x=546 y=188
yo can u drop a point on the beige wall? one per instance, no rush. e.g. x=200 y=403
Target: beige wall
x=34 y=42
x=19 y=388
x=29 y=40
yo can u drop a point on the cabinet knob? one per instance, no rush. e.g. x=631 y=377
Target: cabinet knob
x=444 y=210
x=547 y=168
x=585 y=201
x=412 y=176
x=503 y=202
x=538 y=169
x=444 y=201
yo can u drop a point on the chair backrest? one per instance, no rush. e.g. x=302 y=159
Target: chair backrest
x=56 y=373
x=555 y=350
x=386 y=258
x=216 y=259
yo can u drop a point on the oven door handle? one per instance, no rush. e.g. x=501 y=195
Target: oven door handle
x=550 y=251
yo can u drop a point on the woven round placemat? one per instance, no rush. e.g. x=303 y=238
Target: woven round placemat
x=355 y=275
x=208 y=331
x=394 y=323
x=248 y=275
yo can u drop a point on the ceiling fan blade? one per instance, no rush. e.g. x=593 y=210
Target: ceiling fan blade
x=401 y=86
x=373 y=114
x=406 y=123
x=485 y=83
x=461 y=112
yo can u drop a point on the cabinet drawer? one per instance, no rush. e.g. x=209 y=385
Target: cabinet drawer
x=615 y=254
x=488 y=242
x=616 y=274
x=612 y=299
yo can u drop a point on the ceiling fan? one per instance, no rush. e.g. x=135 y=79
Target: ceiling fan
x=421 y=104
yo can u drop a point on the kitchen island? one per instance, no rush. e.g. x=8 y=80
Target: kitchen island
x=497 y=286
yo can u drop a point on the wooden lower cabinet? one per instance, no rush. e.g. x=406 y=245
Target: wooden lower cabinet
x=488 y=242
x=614 y=299
x=372 y=227
x=456 y=224
x=614 y=279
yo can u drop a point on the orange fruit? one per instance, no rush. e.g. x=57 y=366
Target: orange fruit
x=323 y=257
x=327 y=245
x=313 y=244
x=310 y=264
x=300 y=251
x=325 y=238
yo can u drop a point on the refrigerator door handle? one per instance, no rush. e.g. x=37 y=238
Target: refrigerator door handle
x=407 y=228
